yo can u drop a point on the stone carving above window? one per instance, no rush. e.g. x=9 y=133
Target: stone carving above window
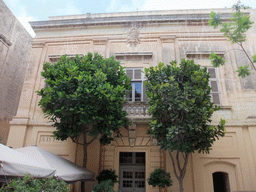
x=133 y=36
x=55 y=58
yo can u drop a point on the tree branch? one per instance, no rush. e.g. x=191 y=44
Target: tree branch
x=185 y=165
x=247 y=56
x=178 y=161
x=183 y=156
x=75 y=141
x=78 y=143
x=90 y=141
x=175 y=171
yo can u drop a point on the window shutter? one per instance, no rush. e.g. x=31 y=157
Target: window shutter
x=214 y=85
x=129 y=73
x=137 y=74
x=212 y=72
x=216 y=98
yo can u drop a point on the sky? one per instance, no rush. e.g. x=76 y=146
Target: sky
x=39 y=10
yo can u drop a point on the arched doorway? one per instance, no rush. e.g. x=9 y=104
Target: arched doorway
x=221 y=182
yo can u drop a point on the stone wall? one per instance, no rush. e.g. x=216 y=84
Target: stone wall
x=14 y=53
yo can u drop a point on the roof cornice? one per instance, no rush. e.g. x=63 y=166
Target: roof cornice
x=92 y=21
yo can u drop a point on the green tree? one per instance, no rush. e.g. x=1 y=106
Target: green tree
x=104 y=186
x=181 y=108
x=107 y=175
x=85 y=96
x=29 y=184
x=160 y=178
x=235 y=32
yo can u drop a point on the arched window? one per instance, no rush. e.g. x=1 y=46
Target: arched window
x=221 y=182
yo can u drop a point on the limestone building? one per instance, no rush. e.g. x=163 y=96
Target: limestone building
x=140 y=40
x=14 y=53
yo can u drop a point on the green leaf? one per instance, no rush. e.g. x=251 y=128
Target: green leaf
x=243 y=71
x=254 y=58
x=215 y=19
x=216 y=60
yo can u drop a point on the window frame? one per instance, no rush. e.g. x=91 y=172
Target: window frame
x=216 y=79
x=133 y=80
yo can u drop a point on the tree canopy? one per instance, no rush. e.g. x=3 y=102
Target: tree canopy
x=85 y=96
x=181 y=108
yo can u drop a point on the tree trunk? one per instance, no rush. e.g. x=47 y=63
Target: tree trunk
x=181 y=184
x=84 y=160
x=180 y=174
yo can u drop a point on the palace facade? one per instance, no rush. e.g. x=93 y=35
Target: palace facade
x=140 y=40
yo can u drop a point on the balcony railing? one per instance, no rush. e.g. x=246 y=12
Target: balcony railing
x=136 y=108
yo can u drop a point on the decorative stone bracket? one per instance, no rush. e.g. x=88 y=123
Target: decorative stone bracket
x=132 y=134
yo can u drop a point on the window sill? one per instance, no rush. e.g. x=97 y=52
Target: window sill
x=225 y=107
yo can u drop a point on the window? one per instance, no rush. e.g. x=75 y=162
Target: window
x=202 y=58
x=134 y=158
x=132 y=171
x=215 y=94
x=138 y=92
x=220 y=182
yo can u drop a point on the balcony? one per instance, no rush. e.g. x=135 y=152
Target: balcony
x=137 y=110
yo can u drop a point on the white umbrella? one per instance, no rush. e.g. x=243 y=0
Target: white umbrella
x=65 y=169
x=16 y=164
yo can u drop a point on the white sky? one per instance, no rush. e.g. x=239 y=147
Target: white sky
x=37 y=10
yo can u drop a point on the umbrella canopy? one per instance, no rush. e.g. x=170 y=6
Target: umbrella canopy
x=65 y=169
x=16 y=164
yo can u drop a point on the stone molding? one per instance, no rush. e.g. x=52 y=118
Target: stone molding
x=124 y=19
x=168 y=38
x=5 y=40
x=100 y=41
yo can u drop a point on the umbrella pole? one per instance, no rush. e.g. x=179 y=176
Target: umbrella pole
x=84 y=160
x=2 y=167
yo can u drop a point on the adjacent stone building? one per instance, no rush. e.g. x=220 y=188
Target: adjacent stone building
x=14 y=53
x=140 y=40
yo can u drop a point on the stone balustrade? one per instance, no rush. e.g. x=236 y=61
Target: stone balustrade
x=136 y=108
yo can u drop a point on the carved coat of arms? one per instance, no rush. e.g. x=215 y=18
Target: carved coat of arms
x=133 y=36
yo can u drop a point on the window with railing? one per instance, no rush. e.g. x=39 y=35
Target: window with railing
x=138 y=92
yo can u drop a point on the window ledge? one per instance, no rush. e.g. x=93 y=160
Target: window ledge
x=225 y=107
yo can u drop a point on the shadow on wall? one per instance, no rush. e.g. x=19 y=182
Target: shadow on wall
x=4 y=130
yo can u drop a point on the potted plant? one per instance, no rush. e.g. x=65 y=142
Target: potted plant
x=160 y=178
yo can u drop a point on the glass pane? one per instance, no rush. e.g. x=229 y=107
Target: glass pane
x=212 y=72
x=128 y=95
x=125 y=157
x=137 y=74
x=127 y=174
x=127 y=183
x=140 y=175
x=140 y=184
x=140 y=157
x=137 y=91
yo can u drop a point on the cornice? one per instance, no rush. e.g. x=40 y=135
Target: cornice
x=5 y=40
x=168 y=18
